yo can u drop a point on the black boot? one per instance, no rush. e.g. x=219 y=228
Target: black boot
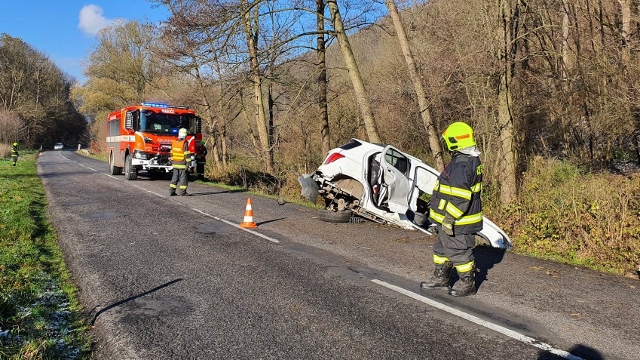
x=440 y=277
x=466 y=285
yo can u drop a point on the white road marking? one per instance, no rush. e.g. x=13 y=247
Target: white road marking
x=149 y=191
x=474 y=319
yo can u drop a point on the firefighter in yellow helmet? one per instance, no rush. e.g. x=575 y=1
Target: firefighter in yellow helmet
x=14 y=153
x=457 y=209
x=180 y=156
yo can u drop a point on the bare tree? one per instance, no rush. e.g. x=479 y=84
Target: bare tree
x=354 y=73
x=10 y=127
x=186 y=42
x=625 y=29
x=120 y=70
x=34 y=89
x=434 y=141
x=250 y=24
x=322 y=78
x=509 y=11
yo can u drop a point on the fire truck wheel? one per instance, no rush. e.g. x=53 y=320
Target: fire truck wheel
x=113 y=169
x=130 y=172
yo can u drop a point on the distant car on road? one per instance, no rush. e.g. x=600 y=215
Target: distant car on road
x=58 y=146
x=382 y=184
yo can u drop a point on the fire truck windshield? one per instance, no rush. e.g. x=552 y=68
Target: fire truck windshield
x=162 y=123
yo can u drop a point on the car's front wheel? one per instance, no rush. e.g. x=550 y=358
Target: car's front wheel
x=343 y=216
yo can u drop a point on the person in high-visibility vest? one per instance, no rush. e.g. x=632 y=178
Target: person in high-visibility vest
x=180 y=156
x=457 y=209
x=14 y=153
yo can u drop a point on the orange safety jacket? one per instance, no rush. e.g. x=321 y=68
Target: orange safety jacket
x=180 y=153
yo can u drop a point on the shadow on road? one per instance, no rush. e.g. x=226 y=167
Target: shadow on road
x=486 y=258
x=213 y=192
x=578 y=351
x=95 y=317
x=268 y=221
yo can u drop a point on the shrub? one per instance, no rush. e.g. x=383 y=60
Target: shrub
x=5 y=151
x=577 y=217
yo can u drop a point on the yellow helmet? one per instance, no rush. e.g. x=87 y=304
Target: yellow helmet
x=182 y=133
x=15 y=144
x=458 y=136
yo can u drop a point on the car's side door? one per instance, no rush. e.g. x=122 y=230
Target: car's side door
x=395 y=168
x=424 y=180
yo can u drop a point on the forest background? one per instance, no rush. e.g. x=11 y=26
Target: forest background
x=551 y=88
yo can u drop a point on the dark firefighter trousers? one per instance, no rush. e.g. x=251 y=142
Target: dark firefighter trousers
x=458 y=249
x=180 y=181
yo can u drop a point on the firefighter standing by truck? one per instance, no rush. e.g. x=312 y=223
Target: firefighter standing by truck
x=14 y=153
x=457 y=208
x=181 y=158
x=191 y=142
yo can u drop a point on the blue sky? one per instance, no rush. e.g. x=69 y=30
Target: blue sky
x=65 y=30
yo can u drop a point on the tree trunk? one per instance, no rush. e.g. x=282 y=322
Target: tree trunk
x=566 y=61
x=323 y=107
x=354 y=73
x=625 y=9
x=434 y=141
x=256 y=77
x=508 y=184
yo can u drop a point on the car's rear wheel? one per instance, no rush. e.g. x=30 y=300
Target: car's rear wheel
x=343 y=216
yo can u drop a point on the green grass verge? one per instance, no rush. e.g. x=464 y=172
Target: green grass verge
x=40 y=317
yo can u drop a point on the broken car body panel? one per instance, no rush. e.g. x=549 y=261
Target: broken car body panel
x=382 y=184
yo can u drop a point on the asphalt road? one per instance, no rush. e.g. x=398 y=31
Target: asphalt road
x=176 y=278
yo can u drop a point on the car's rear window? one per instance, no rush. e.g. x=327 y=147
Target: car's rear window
x=351 y=144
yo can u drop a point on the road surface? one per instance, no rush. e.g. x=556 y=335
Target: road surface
x=176 y=278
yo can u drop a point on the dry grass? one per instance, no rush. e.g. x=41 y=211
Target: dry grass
x=581 y=218
x=5 y=151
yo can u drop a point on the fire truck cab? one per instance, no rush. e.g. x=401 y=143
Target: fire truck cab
x=139 y=138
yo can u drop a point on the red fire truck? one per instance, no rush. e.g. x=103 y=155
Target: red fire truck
x=139 y=138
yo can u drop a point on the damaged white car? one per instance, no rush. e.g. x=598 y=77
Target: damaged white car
x=382 y=184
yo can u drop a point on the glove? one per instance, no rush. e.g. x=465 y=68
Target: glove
x=193 y=164
x=447 y=224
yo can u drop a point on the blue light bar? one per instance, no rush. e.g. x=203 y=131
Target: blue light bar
x=156 y=104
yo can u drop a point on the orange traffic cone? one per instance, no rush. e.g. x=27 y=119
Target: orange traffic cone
x=248 y=216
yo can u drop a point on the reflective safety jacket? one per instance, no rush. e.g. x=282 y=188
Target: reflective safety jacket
x=180 y=153
x=457 y=193
x=14 y=151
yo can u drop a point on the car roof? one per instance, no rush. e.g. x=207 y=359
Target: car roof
x=361 y=144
